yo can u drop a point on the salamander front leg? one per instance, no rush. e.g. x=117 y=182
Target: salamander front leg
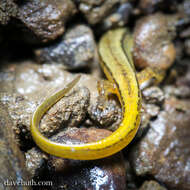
x=105 y=88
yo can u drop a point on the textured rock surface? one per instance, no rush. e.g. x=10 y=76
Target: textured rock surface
x=11 y=158
x=8 y=9
x=75 y=50
x=164 y=152
x=46 y=19
x=108 y=173
x=151 y=185
x=95 y=11
x=153 y=48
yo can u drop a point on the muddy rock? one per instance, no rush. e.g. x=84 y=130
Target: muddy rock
x=187 y=46
x=108 y=173
x=46 y=19
x=105 y=113
x=149 y=6
x=8 y=9
x=179 y=91
x=95 y=11
x=70 y=111
x=22 y=90
x=35 y=161
x=118 y=17
x=153 y=48
x=151 y=185
x=163 y=153
x=75 y=50
x=153 y=95
x=11 y=158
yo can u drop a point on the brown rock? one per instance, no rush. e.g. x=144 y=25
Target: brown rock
x=151 y=185
x=164 y=152
x=108 y=173
x=11 y=158
x=95 y=11
x=8 y=9
x=117 y=18
x=153 y=95
x=46 y=19
x=22 y=90
x=35 y=161
x=187 y=46
x=75 y=50
x=68 y=112
x=149 y=6
x=152 y=41
x=105 y=113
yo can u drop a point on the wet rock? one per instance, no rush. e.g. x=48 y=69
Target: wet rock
x=108 y=173
x=177 y=91
x=187 y=46
x=8 y=9
x=153 y=48
x=152 y=110
x=46 y=19
x=35 y=161
x=11 y=158
x=74 y=51
x=70 y=111
x=153 y=95
x=95 y=11
x=118 y=17
x=163 y=153
x=22 y=90
x=106 y=113
x=149 y=6
x=148 y=112
x=185 y=33
x=151 y=185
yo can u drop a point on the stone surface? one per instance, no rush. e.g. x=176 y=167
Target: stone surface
x=46 y=19
x=8 y=9
x=151 y=185
x=108 y=173
x=163 y=152
x=11 y=158
x=95 y=11
x=75 y=50
x=148 y=42
x=105 y=113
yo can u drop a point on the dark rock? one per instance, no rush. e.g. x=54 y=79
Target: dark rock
x=187 y=46
x=69 y=111
x=117 y=18
x=35 y=161
x=151 y=185
x=163 y=153
x=46 y=19
x=108 y=173
x=22 y=90
x=149 y=6
x=74 y=51
x=106 y=113
x=11 y=158
x=153 y=95
x=95 y=11
x=8 y=9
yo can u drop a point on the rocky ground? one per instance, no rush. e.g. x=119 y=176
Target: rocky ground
x=45 y=44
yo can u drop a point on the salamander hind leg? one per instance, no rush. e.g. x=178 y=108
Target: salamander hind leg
x=150 y=76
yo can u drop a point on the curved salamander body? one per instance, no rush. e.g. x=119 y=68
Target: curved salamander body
x=118 y=67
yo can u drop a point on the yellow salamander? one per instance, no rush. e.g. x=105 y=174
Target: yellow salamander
x=116 y=61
